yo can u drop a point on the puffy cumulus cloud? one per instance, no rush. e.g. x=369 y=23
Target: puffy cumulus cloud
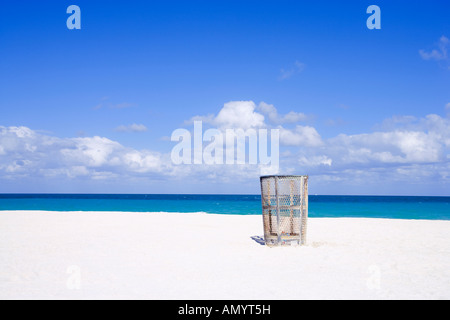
x=300 y=136
x=272 y=114
x=239 y=114
x=438 y=127
x=386 y=147
x=246 y=115
x=27 y=152
x=410 y=140
x=410 y=151
x=93 y=152
x=146 y=161
x=234 y=114
x=400 y=140
x=403 y=149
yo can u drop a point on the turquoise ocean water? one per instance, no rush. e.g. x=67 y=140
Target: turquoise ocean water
x=395 y=207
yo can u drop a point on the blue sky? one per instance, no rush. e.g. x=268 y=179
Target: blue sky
x=138 y=70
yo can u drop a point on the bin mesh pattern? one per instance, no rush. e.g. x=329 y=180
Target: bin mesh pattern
x=285 y=208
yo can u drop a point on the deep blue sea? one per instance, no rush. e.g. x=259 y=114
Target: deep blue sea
x=395 y=207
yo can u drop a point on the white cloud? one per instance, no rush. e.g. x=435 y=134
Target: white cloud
x=300 y=136
x=234 y=114
x=28 y=152
x=246 y=115
x=315 y=161
x=411 y=154
x=271 y=112
x=144 y=161
x=438 y=127
x=295 y=69
x=386 y=147
x=239 y=114
x=92 y=152
x=403 y=149
x=437 y=54
x=396 y=121
x=440 y=55
x=402 y=140
x=132 y=128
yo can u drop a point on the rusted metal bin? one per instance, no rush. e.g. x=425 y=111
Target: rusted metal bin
x=285 y=209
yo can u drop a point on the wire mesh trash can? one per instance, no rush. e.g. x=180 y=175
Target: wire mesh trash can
x=285 y=209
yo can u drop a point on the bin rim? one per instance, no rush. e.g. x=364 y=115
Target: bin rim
x=283 y=176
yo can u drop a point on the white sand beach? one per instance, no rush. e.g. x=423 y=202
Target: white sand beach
x=110 y=255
